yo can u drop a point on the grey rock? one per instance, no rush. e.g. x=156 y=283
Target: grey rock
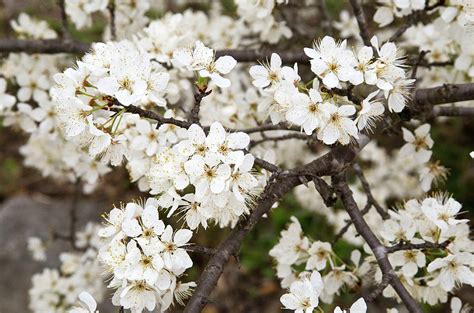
x=22 y=217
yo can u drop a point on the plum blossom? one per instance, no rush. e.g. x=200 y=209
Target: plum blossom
x=338 y=126
x=371 y=110
x=202 y=59
x=451 y=269
x=331 y=61
x=319 y=255
x=264 y=75
x=175 y=257
x=303 y=294
x=306 y=111
x=442 y=212
x=418 y=144
x=409 y=260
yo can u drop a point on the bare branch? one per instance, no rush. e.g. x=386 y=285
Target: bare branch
x=419 y=246
x=361 y=21
x=113 y=31
x=201 y=250
x=370 y=197
x=198 y=96
x=453 y=111
x=64 y=26
x=48 y=46
x=447 y=93
x=380 y=251
x=386 y=280
x=52 y=46
x=326 y=191
x=417 y=63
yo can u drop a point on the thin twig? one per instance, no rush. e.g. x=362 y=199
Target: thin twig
x=184 y=124
x=386 y=280
x=113 y=31
x=47 y=46
x=64 y=26
x=201 y=250
x=370 y=197
x=453 y=111
x=71 y=235
x=417 y=63
x=418 y=246
x=198 y=96
x=361 y=21
x=344 y=229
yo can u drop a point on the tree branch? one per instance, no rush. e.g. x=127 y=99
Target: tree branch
x=386 y=280
x=370 y=197
x=48 y=46
x=361 y=21
x=453 y=111
x=64 y=26
x=448 y=93
x=198 y=96
x=201 y=250
x=419 y=246
x=380 y=251
x=111 y=9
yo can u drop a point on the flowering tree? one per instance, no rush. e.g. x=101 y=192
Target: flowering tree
x=216 y=117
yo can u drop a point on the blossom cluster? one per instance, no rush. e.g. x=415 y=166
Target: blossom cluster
x=32 y=111
x=446 y=38
x=294 y=251
x=319 y=109
x=217 y=168
x=427 y=274
x=145 y=257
